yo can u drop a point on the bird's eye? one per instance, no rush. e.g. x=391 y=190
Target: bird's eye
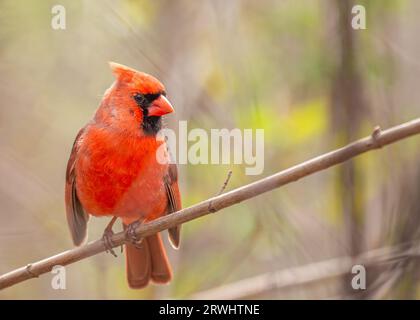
x=144 y=100
x=140 y=99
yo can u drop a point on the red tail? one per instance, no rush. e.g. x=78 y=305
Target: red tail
x=147 y=261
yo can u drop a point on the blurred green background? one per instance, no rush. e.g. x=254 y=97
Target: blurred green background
x=294 y=68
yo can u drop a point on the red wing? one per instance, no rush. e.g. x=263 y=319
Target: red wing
x=174 y=202
x=77 y=218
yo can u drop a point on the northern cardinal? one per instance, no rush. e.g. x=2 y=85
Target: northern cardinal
x=113 y=171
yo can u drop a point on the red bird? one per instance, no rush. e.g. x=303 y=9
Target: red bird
x=114 y=170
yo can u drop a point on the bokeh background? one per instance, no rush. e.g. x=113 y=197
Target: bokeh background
x=294 y=68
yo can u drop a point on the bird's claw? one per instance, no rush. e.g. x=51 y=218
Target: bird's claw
x=107 y=239
x=130 y=234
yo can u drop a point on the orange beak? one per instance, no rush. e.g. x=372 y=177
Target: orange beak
x=160 y=107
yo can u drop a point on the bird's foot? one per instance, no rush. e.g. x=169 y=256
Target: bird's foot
x=107 y=237
x=130 y=234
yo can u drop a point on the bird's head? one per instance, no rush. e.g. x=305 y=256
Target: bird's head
x=137 y=96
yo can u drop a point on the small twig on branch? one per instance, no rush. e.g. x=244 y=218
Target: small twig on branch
x=222 y=189
x=211 y=209
x=219 y=202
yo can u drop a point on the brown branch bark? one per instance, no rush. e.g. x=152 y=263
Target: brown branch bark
x=376 y=140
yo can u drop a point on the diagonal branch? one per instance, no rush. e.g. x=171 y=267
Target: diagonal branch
x=376 y=140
